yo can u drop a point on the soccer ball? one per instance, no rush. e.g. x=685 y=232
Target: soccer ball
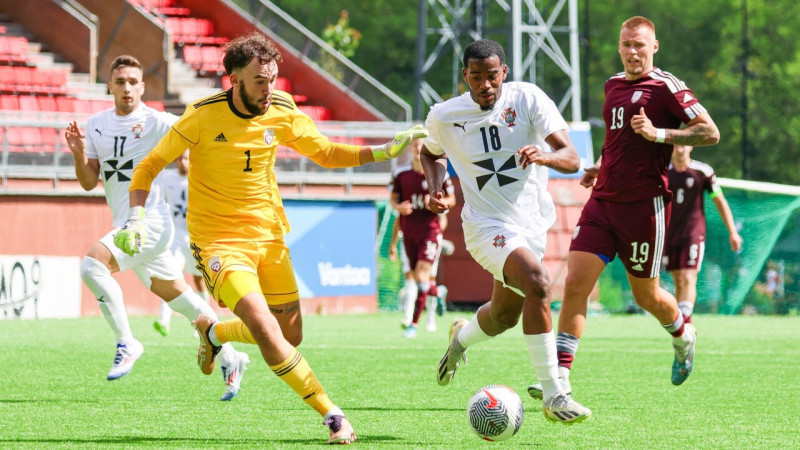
x=495 y=412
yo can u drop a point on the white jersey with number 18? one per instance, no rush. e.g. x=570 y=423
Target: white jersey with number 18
x=481 y=147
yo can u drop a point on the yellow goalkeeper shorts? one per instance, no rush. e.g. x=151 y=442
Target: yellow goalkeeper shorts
x=257 y=267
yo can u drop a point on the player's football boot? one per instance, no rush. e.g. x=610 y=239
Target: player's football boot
x=125 y=357
x=233 y=373
x=563 y=408
x=206 y=351
x=341 y=430
x=410 y=332
x=684 y=357
x=163 y=329
x=453 y=356
x=535 y=390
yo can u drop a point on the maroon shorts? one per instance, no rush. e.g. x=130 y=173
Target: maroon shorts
x=686 y=256
x=634 y=230
x=422 y=247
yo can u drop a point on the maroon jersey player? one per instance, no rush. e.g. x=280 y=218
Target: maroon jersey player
x=628 y=210
x=686 y=235
x=422 y=231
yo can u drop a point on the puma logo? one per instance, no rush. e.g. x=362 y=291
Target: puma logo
x=462 y=126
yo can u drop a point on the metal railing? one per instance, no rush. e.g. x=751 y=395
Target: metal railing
x=52 y=160
x=338 y=69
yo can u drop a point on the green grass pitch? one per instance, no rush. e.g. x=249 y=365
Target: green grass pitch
x=743 y=392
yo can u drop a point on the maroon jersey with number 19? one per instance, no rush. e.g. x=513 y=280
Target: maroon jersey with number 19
x=634 y=168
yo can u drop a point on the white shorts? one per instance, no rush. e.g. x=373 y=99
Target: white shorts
x=434 y=266
x=155 y=260
x=183 y=255
x=490 y=242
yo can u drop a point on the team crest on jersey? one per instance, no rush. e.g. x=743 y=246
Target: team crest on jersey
x=137 y=129
x=509 y=116
x=636 y=96
x=214 y=264
x=499 y=241
x=689 y=182
x=269 y=136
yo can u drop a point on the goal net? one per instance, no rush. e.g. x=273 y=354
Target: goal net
x=768 y=218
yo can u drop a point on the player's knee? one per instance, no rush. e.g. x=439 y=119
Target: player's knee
x=294 y=337
x=92 y=269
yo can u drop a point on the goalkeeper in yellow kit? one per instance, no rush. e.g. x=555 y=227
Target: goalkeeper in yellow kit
x=236 y=218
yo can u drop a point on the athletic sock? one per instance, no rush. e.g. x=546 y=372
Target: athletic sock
x=471 y=333
x=232 y=330
x=410 y=300
x=296 y=372
x=542 y=349
x=191 y=305
x=566 y=347
x=108 y=293
x=686 y=309
x=419 y=304
x=676 y=327
x=165 y=313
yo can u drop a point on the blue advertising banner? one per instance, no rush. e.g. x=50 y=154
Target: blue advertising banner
x=333 y=247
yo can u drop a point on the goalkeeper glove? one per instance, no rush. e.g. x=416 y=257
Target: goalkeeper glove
x=396 y=146
x=131 y=236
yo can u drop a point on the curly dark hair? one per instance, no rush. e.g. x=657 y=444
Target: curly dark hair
x=240 y=51
x=125 y=61
x=482 y=49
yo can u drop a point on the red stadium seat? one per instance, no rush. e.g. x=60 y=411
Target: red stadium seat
x=156 y=104
x=283 y=84
x=316 y=112
x=28 y=103
x=24 y=139
x=6 y=84
x=65 y=104
x=9 y=102
x=226 y=82
x=83 y=106
x=193 y=56
x=49 y=139
x=101 y=105
x=46 y=103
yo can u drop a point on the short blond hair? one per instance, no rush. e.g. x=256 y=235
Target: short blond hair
x=636 y=22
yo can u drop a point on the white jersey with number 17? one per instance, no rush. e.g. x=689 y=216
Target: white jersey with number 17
x=119 y=143
x=481 y=147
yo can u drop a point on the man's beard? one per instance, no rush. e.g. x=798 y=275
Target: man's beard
x=252 y=107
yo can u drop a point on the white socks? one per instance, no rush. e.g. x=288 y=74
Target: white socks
x=410 y=292
x=165 y=314
x=542 y=349
x=471 y=333
x=109 y=297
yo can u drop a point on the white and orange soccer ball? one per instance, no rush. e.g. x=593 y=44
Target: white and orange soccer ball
x=495 y=412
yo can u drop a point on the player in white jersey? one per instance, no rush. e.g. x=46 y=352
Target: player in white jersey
x=501 y=139
x=176 y=185
x=116 y=140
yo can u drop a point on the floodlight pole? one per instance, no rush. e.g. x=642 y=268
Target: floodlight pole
x=531 y=34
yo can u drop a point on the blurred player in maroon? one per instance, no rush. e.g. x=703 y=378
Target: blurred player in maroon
x=422 y=231
x=628 y=211
x=686 y=235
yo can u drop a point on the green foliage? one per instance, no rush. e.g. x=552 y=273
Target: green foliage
x=342 y=36
x=55 y=393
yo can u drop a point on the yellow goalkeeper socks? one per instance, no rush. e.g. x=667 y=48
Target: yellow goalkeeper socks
x=233 y=330
x=296 y=372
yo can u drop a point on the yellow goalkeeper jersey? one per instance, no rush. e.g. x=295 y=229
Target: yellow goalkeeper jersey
x=233 y=193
